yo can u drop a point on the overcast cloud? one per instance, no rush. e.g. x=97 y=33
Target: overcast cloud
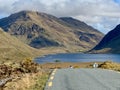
x=101 y=14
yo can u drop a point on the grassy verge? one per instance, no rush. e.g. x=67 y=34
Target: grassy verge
x=31 y=76
x=26 y=75
x=34 y=81
x=40 y=82
x=110 y=65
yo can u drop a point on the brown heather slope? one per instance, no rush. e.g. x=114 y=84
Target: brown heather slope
x=11 y=49
x=41 y=30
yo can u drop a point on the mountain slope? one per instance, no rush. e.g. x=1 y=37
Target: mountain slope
x=110 y=43
x=85 y=32
x=12 y=49
x=42 y=30
x=74 y=23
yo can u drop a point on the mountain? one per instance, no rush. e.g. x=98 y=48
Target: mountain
x=110 y=43
x=12 y=49
x=40 y=30
x=85 y=32
x=74 y=23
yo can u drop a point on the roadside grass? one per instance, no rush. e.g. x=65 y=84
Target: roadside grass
x=35 y=81
x=40 y=82
x=26 y=75
x=27 y=78
x=110 y=65
x=67 y=65
x=104 y=65
x=22 y=83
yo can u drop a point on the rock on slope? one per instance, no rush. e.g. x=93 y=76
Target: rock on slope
x=110 y=43
x=42 y=30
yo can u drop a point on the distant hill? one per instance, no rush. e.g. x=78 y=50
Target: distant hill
x=11 y=49
x=110 y=43
x=40 y=30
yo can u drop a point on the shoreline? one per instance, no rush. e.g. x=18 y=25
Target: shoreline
x=77 y=58
x=60 y=65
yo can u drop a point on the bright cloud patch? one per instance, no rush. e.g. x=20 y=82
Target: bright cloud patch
x=102 y=14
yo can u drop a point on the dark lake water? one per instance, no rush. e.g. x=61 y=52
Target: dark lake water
x=78 y=57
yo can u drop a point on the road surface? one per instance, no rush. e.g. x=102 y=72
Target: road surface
x=83 y=79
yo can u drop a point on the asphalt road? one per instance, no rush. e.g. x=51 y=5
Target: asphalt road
x=83 y=79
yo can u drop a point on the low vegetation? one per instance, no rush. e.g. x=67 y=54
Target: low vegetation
x=27 y=75
x=110 y=65
x=57 y=61
x=67 y=65
x=33 y=81
x=40 y=82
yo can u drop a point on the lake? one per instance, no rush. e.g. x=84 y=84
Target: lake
x=78 y=57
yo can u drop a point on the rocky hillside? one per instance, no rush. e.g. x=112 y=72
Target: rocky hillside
x=13 y=49
x=42 y=30
x=110 y=43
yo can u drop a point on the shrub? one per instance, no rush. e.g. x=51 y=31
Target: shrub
x=57 y=61
x=109 y=65
x=29 y=66
x=76 y=67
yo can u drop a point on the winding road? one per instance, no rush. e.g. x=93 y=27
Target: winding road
x=83 y=79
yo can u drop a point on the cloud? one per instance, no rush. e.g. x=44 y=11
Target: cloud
x=102 y=14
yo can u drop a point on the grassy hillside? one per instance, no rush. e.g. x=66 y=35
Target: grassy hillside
x=11 y=49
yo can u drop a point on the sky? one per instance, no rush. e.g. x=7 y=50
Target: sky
x=103 y=15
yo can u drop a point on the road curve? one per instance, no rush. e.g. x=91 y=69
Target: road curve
x=84 y=79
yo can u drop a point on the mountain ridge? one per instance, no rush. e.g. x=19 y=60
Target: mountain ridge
x=41 y=30
x=110 y=43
